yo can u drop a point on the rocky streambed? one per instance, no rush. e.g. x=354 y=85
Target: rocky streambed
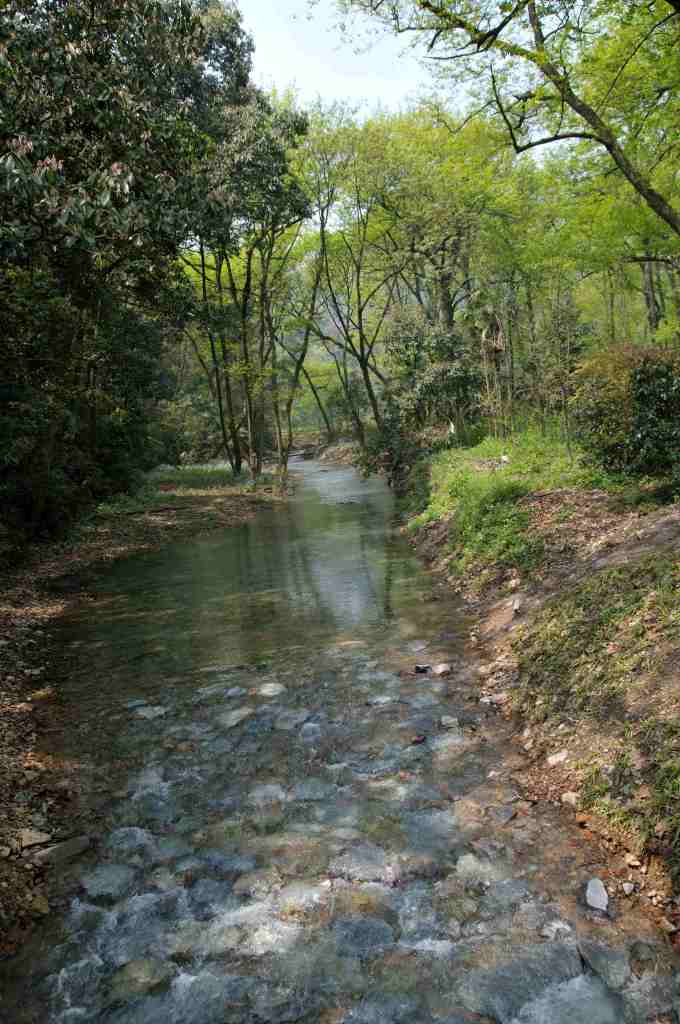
x=309 y=815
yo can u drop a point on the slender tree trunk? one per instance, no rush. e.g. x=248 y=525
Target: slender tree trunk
x=330 y=433
x=651 y=300
x=660 y=291
x=445 y=302
x=216 y=368
x=370 y=391
x=611 y=307
x=237 y=454
x=674 y=282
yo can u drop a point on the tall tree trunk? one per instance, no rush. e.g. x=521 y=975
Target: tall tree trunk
x=445 y=301
x=611 y=307
x=216 y=368
x=330 y=433
x=651 y=300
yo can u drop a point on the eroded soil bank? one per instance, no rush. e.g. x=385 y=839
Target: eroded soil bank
x=307 y=814
x=40 y=790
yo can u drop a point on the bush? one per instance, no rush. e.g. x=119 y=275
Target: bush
x=392 y=450
x=627 y=410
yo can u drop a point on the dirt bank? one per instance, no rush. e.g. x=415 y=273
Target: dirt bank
x=42 y=798
x=581 y=654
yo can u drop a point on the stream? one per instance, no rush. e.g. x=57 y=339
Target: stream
x=300 y=827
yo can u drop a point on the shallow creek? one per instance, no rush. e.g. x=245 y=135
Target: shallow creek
x=299 y=826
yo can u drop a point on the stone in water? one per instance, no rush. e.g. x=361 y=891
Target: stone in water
x=151 y=711
x=443 y=669
x=232 y=718
x=271 y=689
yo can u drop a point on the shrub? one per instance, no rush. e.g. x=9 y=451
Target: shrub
x=627 y=410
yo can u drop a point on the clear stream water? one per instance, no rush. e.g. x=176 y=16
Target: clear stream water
x=299 y=828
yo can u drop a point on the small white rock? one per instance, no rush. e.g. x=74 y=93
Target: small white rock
x=443 y=669
x=271 y=689
x=570 y=799
x=596 y=894
x=559 y=758
x=628 y=888
x=151 y=711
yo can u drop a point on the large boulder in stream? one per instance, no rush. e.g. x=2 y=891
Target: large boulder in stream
x=502 y=992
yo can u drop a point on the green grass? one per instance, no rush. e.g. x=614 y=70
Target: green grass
x=478 y=489
x=166 y=488
x=195 y=477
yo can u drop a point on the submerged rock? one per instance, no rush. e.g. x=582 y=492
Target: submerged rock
x=287 y=721
x=150 y=711
x=231 y=718
x=235 y=691
x=611 y=964
x=362 y=936
x=502 y=992
x=384 y=1010
x=268 y=793
x=109 y=882
x=311 y=732
x=273 y=937
x=139 y=977
x=363 y=863
x=130 y=842
x=312 y=790
x=471 y=869
x=271 y=689
x=280 y=1004
x=577 y=1001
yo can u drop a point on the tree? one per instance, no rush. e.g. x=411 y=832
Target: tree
x=98 y=147
x=553 y=75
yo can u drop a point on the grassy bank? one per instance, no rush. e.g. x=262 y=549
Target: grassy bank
x=575 y=576
x=171 y=503
x=483 y=494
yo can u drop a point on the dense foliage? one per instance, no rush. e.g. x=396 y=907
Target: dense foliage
x=191 y=269
x=628 y=411
x=99 y=144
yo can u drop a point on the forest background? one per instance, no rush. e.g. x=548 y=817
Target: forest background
x=192 y=269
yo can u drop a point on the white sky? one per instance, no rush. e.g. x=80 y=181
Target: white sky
x=294 y=47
